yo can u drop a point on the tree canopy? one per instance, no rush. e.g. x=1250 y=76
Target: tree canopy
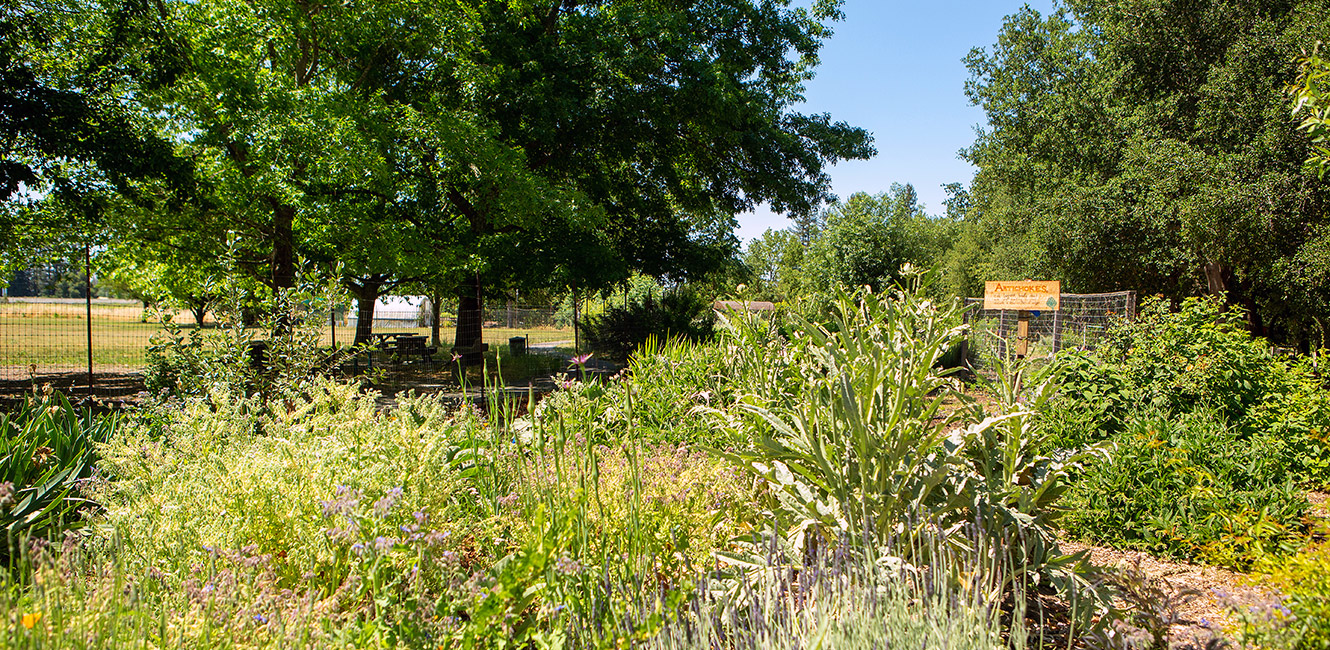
x=477 y=144
x=1155 y=132
x=69 y=135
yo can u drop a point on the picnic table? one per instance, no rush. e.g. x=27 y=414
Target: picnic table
x=403 y=345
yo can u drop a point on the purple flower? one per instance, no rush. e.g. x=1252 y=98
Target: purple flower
x=385 y=505
x=581 y=359
x=567 y=566
x=344 y=501
x=384 y=544
x=339 y=534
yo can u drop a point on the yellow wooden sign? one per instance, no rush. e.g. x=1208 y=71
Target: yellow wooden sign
x=1028 y=296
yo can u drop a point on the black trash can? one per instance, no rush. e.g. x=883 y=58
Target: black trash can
x=517 y=346
x=258 y=355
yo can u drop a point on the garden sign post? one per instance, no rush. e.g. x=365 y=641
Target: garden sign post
x=1023 y=297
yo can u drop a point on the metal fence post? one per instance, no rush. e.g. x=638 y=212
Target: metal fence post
x=1057 y=333
x=87 y=303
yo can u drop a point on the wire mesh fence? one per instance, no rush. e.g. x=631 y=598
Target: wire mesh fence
x=1082 y=322
x=102 y=348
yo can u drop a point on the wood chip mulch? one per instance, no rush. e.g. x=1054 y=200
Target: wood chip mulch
x=1217 y=592
x=1202 y=615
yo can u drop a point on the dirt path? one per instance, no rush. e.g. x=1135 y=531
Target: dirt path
x=1204 y=595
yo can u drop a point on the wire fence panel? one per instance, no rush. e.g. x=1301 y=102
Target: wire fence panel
x=1080 y=323
x=47 y=340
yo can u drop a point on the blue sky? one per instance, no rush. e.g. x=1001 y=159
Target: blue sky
x=894 y=67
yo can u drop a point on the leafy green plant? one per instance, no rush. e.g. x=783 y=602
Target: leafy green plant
x=669 y=381
x=1210 y=432
x=1092 y=402
x=861 y=445
x=230 y=360
x=1189 y=487
x=1295 y=418
x=1018 y=482
x=1198 y=356
x=47 y=450
x=874 y=441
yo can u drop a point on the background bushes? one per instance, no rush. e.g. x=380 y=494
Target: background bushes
x=1189 y=487
x=679 y=313
x=1211 y=437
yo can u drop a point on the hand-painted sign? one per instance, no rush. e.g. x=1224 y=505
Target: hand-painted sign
x=1023 y=295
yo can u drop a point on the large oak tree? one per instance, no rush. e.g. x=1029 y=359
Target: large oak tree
x=486 y=144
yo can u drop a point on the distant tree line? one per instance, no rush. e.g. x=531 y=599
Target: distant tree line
x=56 y=280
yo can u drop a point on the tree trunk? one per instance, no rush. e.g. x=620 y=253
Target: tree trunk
x=283 y=247
x=283 y=260
x=200 y=310
x=1214 y=278
x=435 y=297
x=470 y=312
x=366 y=293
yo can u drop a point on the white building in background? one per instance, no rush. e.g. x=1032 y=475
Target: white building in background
x=391 y=311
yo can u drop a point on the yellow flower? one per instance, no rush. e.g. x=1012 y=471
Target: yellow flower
x=29 y=620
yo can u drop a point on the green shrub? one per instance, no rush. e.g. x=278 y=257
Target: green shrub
x=231 y=361
x=1093 y=401
x=1190 y=487
x=618 y=331
x=398 y=522
x=227 y=474
x=1296 y=417
x=47 y=451
x=1211 y=432
x=669 y=382
x=1198 y=356
x=654 y=400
